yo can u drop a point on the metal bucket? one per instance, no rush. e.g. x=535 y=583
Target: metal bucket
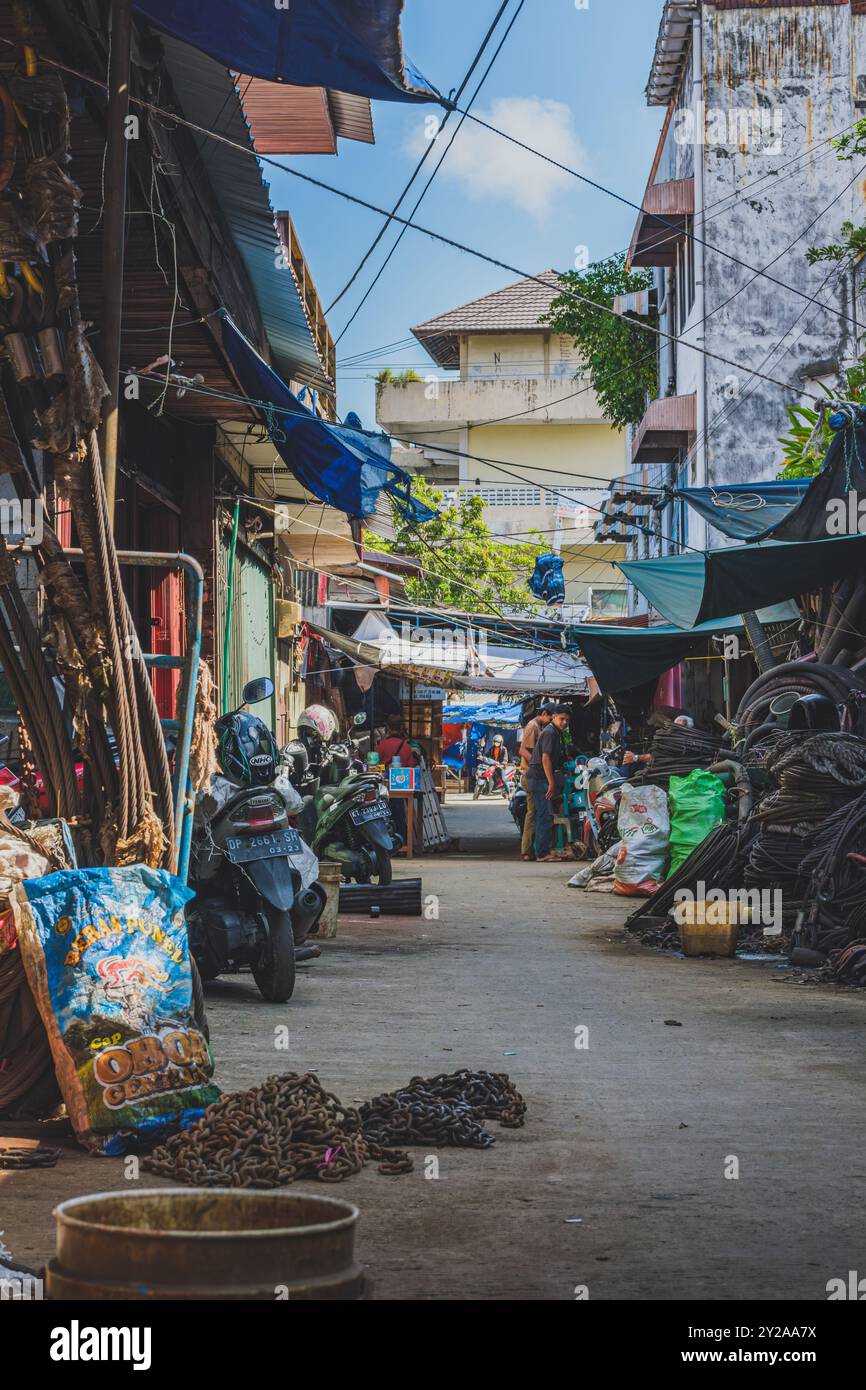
x=205 y=1243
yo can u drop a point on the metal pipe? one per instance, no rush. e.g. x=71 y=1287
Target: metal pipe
x=184 y=797
x=224 y=692
x=760 y=642
x=114 y=222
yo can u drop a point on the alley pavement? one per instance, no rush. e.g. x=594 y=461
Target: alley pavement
x=693 y=1129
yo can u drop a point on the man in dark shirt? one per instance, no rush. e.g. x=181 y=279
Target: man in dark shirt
x=544 y=780
x=531 y=734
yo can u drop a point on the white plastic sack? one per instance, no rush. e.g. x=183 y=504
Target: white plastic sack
x=602 y=867
x=644 y=826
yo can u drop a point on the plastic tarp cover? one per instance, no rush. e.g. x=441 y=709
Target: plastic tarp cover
x=547 y=580
x=622 y=658
x=348 y=45
x=347 y=468
x=696 y=587
x=746 y=511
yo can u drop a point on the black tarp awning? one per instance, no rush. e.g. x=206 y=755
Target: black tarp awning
x=622 y=658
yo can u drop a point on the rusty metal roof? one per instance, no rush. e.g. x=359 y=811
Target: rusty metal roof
x=209 y=99
x=662 y=223
x=283 y=119
x=515 y=309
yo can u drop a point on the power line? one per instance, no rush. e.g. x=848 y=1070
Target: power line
x=657 y=217
x=422 y=161
x=424 y=191
x=416 y=226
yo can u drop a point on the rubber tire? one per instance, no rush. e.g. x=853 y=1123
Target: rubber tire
x=476 y=795
x=276 y=977
x=384 y=867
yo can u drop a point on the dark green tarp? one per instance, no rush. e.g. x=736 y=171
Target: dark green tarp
x=621 y=658
x=699 y=586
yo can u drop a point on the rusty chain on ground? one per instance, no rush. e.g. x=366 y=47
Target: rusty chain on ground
x=290 y=1127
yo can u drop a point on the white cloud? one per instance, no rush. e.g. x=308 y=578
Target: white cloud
x=486 y=166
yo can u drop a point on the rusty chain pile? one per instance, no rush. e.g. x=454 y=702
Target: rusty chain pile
x=290 y=1127
x=443 y=1111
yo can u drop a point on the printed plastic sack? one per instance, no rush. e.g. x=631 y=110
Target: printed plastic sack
x=107 y=958
x=697 y=807
x=644 y=831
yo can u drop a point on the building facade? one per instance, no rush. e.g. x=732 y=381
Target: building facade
x=516 y=421
x=744 y=181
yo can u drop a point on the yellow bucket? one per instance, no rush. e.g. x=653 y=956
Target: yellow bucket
x=709 y=928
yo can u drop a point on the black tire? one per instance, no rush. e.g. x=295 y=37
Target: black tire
x=275 y=974
x=384 y=867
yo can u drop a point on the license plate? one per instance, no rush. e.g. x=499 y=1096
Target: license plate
x=245 y=849
x=360 y=815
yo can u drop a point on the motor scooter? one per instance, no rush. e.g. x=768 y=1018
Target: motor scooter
x=346 y=812
x=492 y=777
x=257 y=898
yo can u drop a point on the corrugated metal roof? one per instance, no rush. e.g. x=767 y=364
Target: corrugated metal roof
x=209 y=99
x=302 y=120
x=352 y=117
x=515 y=309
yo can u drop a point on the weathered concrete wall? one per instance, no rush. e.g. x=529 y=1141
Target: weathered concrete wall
x=777 y=84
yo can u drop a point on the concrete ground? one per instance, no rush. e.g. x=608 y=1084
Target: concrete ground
x=618 y=1181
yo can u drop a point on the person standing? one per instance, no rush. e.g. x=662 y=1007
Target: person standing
x=531 y=734
x=395 y=744
x=545 y=780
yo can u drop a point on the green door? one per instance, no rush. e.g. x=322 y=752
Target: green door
x=252 y=644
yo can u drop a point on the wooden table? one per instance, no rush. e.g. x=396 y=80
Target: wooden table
x=409 y=797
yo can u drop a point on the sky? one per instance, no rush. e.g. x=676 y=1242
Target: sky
x=570 y=81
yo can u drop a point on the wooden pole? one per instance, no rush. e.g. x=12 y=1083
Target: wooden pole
x=114 y=224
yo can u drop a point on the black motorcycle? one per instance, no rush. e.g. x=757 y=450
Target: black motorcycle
x=346 y=818
x=250 y=908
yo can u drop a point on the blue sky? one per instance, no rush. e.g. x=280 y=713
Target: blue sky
x=569 y=81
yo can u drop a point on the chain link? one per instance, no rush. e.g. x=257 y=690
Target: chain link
x=290 y=1127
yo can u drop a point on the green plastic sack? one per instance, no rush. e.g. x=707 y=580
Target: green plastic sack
x=697 y=805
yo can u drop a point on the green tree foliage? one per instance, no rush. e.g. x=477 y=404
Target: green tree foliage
x=853 y=243
x=620 y=355
x=804 y=445
x=465 y=566
x=388 y=377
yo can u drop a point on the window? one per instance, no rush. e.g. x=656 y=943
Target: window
x=685 y=276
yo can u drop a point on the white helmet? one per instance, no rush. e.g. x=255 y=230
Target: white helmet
x=319 y=720
x=498 y=740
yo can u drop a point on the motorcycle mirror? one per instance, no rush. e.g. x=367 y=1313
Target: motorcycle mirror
x=258 y=690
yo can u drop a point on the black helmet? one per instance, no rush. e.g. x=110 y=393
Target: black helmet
x=247 y=750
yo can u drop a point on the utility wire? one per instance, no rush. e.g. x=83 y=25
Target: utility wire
x=422 y=161
x=416 y=226
x=424 y=191
x=657 y=217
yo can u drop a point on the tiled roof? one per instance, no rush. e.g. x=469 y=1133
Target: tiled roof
x=515 y=309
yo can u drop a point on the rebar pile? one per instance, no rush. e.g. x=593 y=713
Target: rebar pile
x=677 y=751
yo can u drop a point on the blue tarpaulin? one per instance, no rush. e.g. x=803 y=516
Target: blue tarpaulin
x=746 y=511
x=346 y=45
x=547 y=582
x=502 y=716
x=344 y=467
